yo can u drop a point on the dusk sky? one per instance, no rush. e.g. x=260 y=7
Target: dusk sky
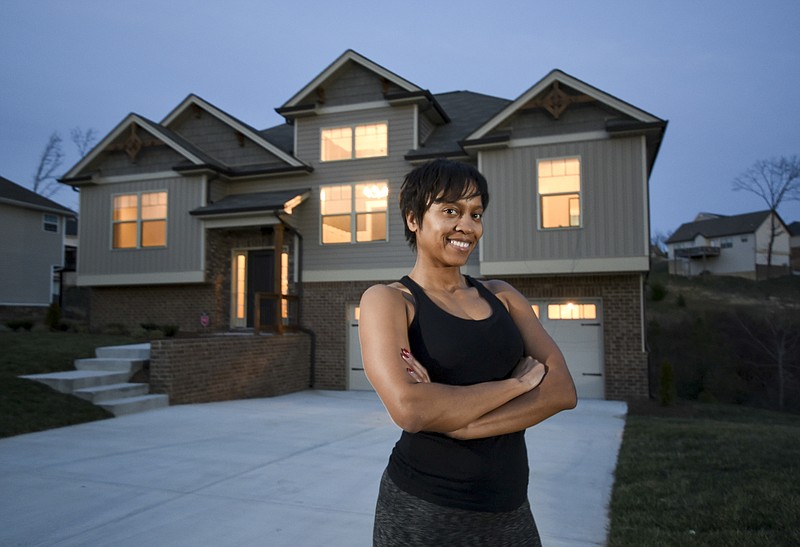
x=725 y=74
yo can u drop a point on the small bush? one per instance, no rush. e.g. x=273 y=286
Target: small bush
x=17 y=324
x=657 y=292
x=116 y=329
x=53 y=317
x=680 y=301
x=666 y=388
x=170 y=330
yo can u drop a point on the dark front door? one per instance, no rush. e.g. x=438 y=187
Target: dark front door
x=260 y=278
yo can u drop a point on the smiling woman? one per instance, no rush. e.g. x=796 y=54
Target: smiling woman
x=463 y=367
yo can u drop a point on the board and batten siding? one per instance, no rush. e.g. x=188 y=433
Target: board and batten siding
x=99 y=264
x=613 y=204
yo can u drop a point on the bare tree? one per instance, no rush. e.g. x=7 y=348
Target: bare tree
x=44 y=180
x=774 y=181
x=83 y=139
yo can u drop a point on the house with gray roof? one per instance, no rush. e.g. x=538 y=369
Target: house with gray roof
x=35 y=234
x=202 y=221
x=730 y=245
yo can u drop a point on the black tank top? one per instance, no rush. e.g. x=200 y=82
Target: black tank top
x=488 y=474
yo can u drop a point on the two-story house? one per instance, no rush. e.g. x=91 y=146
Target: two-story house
x=736 y=245
x=194 y=219
x=33 y=243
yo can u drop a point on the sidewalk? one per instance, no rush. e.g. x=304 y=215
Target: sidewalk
x=297 y=470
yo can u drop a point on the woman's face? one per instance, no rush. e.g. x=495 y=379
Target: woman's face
x=450 y=231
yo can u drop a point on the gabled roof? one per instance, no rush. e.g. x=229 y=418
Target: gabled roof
x=721 y=226
x=180 y=145
x=570 y=81
x=254 y=135
x=14 y=194
x=348 y=56
x=467 y=111
x=794 y=228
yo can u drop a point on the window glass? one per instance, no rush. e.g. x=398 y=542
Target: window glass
x=371 y=140
x=354 y=142
x=354 y=213
x=571 y=311
x=559 y=183
x=140 y=220
x=50 y=223
x=337 y=144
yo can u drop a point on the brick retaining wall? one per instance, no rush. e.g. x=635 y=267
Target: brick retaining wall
x=223 y=368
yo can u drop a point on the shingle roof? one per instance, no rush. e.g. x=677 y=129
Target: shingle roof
x=244 y=203
x=19 y=195
x=718 y=227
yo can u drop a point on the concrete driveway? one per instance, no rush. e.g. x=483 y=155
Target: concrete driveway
x=295 y=470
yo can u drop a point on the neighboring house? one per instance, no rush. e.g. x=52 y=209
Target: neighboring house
x=794 y=233
x=185 y=220
x=33 y=244
x=729 y=245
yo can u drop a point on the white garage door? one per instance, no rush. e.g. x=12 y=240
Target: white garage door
x=356 y=379
x=575 y=325
x=577 y=328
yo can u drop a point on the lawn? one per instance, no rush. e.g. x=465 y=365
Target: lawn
x=27 y=406
x=707 y=474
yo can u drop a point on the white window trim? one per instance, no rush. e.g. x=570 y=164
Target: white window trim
x=539 y=211
x=55 y=223
x=138 y=195
x=353 y=214
x=353 y=140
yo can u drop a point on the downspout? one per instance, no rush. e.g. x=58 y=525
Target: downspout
x=312 y=335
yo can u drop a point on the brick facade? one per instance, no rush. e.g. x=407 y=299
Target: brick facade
x=325 y=312
x=228 y=367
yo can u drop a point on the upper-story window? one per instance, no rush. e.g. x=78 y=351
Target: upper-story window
x=354 y=142
x=140 y=220
x=354 y=213
x=560 y=193
x=50 y=223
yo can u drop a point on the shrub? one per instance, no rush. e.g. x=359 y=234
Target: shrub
x=17 y=324
x=666 y=388
x=680 y=301
x=657 y=292
x=53 y=317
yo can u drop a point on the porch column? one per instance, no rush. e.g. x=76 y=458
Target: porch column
x=277 y=280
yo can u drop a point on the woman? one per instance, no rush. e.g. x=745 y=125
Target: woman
x=463 y=367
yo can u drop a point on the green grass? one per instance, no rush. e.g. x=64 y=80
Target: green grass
x=712 y=475
x=27 y=406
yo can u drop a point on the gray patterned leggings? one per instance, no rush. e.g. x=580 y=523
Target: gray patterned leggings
x=405 y=520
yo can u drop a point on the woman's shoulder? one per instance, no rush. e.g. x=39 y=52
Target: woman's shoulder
x=386 y=293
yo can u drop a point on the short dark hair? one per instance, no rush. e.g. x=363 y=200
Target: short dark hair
x=438 y=180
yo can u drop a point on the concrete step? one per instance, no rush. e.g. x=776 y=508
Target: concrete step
x=130 y=351
x=130 y=405
x=111 y=392
x=69 y=381
x=109 y=364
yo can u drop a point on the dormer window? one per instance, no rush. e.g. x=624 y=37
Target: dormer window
x=559 y=185
x=354 y=142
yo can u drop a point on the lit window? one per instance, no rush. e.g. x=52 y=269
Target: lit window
x=50 y=223
x=140 y=220
x=559 y=192
x=352 y=142
x=535 y=308
x=570 y=310
x=354 y=212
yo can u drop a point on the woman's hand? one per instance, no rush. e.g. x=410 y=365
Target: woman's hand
x=529 y=371
x=414 y=368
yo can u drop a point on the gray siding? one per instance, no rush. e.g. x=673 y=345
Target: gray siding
x=575 y=119
x=426 y=127
x=220 y=140
x=27 y=255
x=612 y=203
x=389 y=254
x=353 y=84
x=184 y=238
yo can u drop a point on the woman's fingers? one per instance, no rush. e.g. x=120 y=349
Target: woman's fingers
x=414 y=368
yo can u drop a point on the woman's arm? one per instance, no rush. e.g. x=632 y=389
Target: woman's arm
x=416 y=405
x=555 y=393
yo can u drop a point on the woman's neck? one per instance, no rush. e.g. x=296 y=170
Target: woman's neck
x=446 y=279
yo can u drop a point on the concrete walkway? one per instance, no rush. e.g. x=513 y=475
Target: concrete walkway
x=297 y=470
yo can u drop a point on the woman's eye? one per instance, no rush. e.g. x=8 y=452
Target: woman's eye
x=450 y=211
x=477 y=216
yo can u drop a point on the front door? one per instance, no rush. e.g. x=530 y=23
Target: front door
x=260 y=278
x=357 y=379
